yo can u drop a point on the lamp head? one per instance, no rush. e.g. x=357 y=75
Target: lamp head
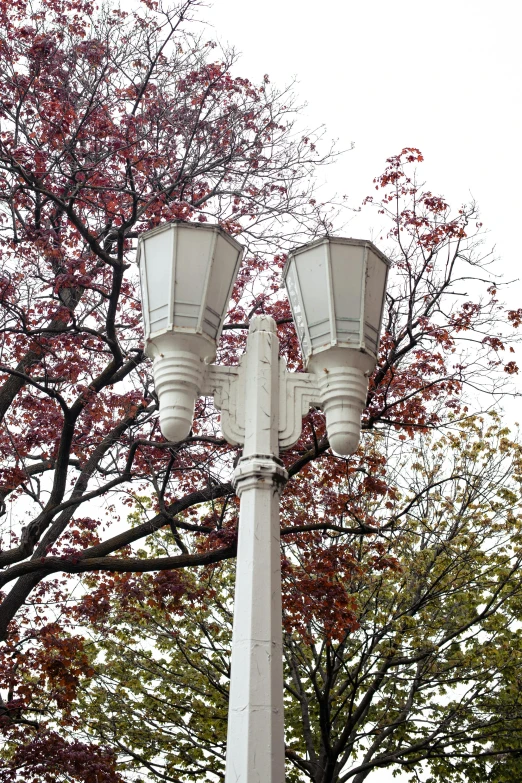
x=187 y=272
x=337 y=288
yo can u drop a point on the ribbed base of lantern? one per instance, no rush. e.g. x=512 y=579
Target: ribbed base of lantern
x=341 y=375
x=178 y=378
x=343 y=395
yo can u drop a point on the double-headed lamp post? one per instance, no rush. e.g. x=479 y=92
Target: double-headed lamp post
x=336 y=289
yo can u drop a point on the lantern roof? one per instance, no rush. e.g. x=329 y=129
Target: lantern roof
x=170 y=224
x=339 y=241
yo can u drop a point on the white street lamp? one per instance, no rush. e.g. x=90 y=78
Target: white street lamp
x=336 y=289
x=187 y=272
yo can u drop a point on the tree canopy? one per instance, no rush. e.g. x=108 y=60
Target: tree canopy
x=397 y=653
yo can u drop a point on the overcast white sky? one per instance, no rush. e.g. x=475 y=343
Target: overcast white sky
x=445 y=77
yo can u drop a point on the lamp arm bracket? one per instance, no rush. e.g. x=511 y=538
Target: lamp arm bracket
x=226 y=385
x=297 y=392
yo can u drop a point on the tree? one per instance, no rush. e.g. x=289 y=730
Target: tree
x=417 y=658
x=110 y=123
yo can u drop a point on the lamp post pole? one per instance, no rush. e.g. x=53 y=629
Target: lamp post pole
x=255 y=742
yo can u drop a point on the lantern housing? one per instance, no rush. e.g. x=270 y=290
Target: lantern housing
x=336 y=289
x=187 y=272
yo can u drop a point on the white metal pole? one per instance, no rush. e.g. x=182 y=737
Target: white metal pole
x=255 y=742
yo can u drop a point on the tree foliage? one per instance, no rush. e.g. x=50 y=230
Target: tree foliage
x=110 y=123
x=417 y=658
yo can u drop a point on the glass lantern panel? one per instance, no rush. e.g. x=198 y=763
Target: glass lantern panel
x=221 y=280
x=347 y=281
x=311 y=266
x=193 y=248
x=157 y=260
x=295 y=305
x=376 y=274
